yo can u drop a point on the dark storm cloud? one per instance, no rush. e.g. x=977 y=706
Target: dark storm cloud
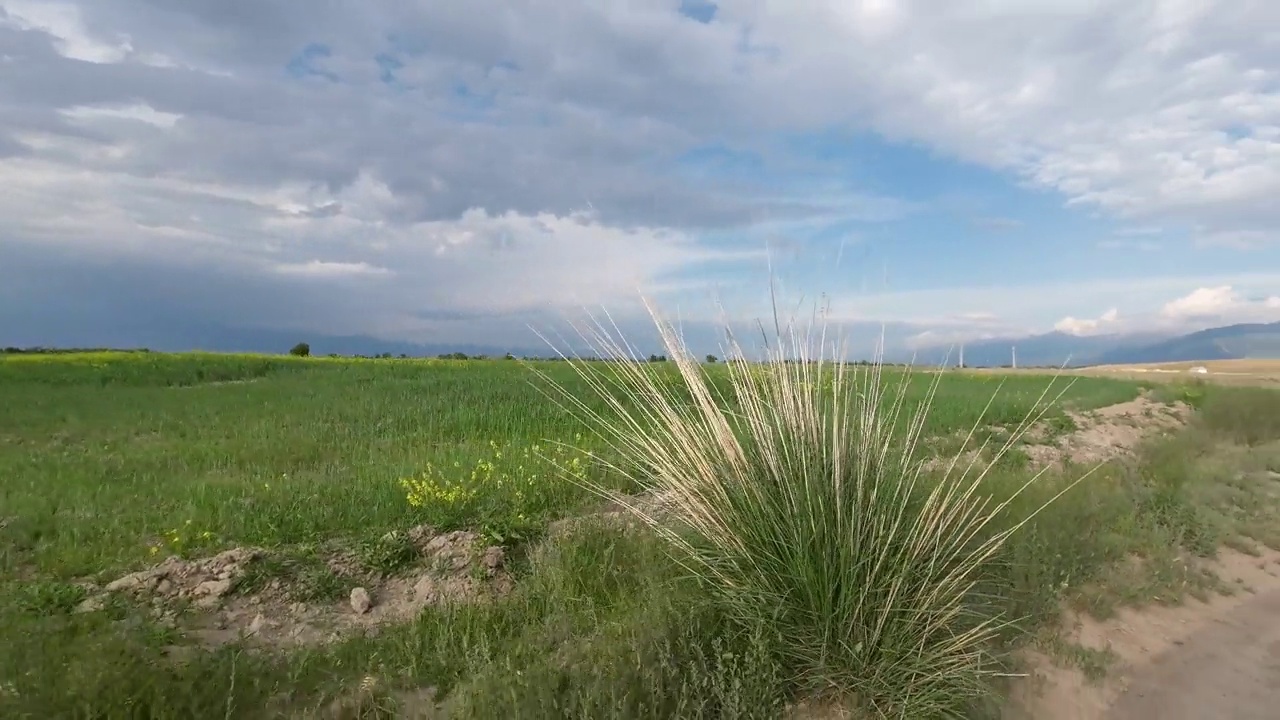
x=44 y=293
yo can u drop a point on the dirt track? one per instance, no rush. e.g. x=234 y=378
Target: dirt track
x=1229 y=669
x=1194 y=661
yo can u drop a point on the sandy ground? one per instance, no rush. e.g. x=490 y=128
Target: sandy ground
x=1199 y=660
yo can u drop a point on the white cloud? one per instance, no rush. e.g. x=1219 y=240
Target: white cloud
x=1151 y=109
x=65 y=22
x=1134 y=305
x=1104 y=323
x=1221 y=305
x=953 y=338
x=319 y=268
x=1201 y=303
x=1237 y=239
x=480 y=264
x=139 y=112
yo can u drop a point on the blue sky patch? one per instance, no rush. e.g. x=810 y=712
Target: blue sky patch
x=305 y=63
x=704 y=11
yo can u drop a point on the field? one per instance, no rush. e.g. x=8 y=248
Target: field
x=1240 y=373
x=1234 y=372
x=333 y=474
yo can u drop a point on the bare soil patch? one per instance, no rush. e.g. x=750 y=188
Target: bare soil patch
x=1105 y=433
x=1097 y=435
x=212 y=598
x=1219 y=658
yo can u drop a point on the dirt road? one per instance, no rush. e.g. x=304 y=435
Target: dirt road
x=1228 y=669
x=1194 y=661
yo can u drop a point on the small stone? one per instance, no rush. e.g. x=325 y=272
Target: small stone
x=426 y=589
x=360 y=600
x=164 y=587
x=258 y=625
x=213 y=588
x=493 y=558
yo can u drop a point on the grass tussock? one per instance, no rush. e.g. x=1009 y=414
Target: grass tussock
x=798 y=499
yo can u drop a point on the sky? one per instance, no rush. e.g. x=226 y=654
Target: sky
x=457 y=172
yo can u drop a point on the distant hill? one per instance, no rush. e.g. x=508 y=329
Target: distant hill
x=1252 y=341
x=218 y=338
x=1244 y=341
x=278 y=341
x=1232 y=342
x=1050 y=349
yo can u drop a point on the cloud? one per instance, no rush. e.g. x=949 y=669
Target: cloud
x=1106 y=322
x=65 y=23
x=319 y=268
x=1221 y=305
x=491 y=159
x=1133 y=305
x=1238 y=239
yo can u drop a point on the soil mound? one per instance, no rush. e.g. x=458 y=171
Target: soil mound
x=277 y=598
x=1105 y=433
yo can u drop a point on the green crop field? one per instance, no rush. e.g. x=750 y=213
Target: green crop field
x=106 y=452
x=110 y=462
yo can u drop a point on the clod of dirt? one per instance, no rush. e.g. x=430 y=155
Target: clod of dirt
x=204 y=581
x=451 y=567
x=258 y=624
x=360 y=600
x=1106 y=432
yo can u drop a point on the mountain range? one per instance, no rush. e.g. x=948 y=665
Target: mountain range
x=1242 y=341
x=179 y=337
x=1055 y=349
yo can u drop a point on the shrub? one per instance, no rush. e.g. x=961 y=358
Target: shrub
x=300 y=350
x=797 y=497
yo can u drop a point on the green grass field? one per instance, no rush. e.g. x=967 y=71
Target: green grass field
x=111 y=461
